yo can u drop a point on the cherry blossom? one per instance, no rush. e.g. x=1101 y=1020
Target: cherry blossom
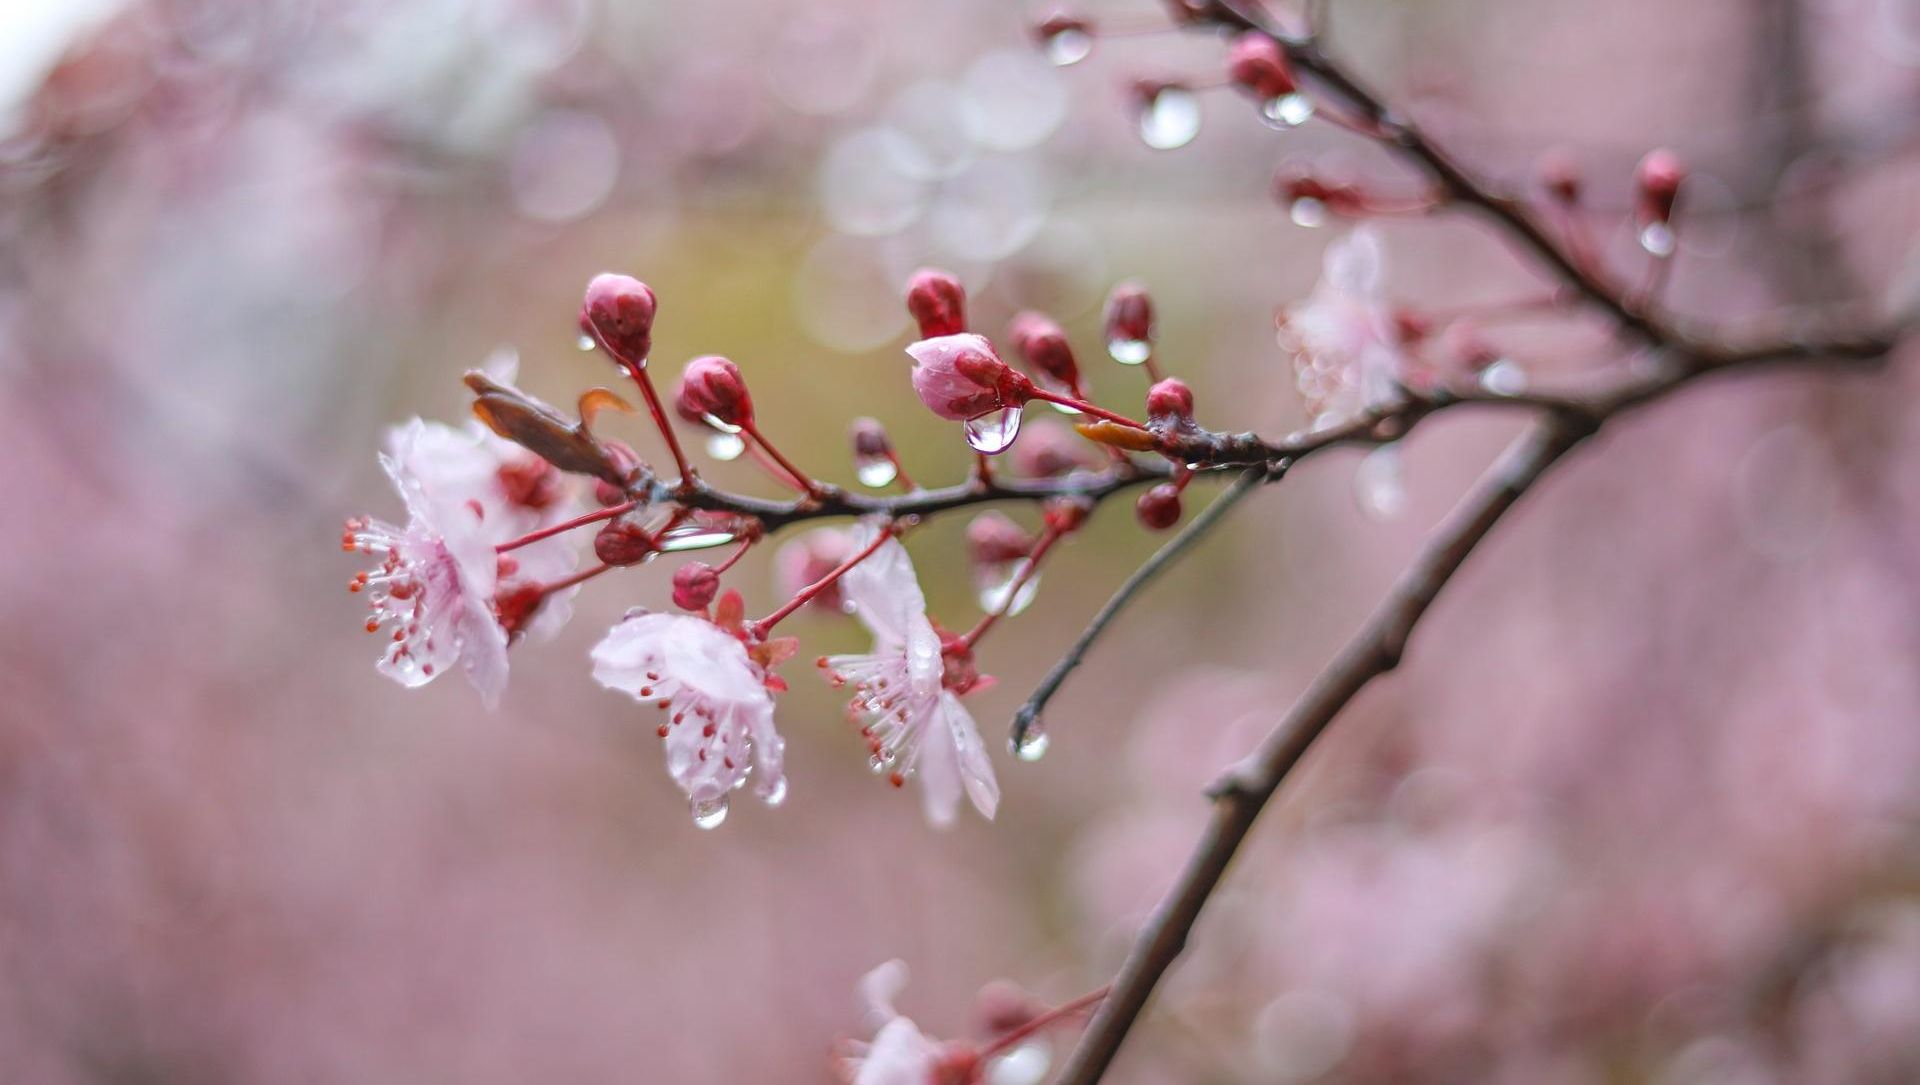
x=906 y=693
x=900 y=1053
x=714 y=687
x=1346 y=348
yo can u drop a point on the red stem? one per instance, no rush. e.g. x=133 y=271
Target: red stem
x=1088 y=408
x=1042 y=1021
x=761 y=627
x=577 y=578
x=637 y=369
x=607 y=513
x=1032 y=565
x=807 y=484
x=732 y=559
x=772 y=467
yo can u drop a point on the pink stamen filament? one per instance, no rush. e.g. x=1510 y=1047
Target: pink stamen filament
x=800 y=599
x=607 y=513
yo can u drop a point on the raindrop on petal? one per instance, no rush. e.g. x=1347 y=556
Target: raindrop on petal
x=725 y=446
x=1130 y=351
x=1070 y=45
x=1308 y=212
x=993 y=432
x=1287 y=111
x=1032 y=744
x=1380 y=483
x=1169 y=118
x=709 y=813
x=776 y=794
x=875 y=471
x=1504 y=378
x=1657 y=238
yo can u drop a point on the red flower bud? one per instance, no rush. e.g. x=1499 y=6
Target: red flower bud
x=1258 y=65
x=1129 y=318
x=1044 y=347
x=1067 y=514
x=618 y=312
x=961 y=377
x=1657 y=184
x=938 y=303
x=1170 y=398
x=870 y=438
x=1159 y=508
x=711 y=388
x=622 y=542
x=624 y=457
x=992 y=539
x=694 y=585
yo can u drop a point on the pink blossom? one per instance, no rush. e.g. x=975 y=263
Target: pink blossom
x=719 y=727
x=900 y=1053
x=961 y=376
x=912 y=720
x=1347 y=354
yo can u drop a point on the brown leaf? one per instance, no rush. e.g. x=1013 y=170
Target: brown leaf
x=1117 y=435
x=541 y=430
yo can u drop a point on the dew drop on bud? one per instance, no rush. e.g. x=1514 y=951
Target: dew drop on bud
x=1657 y=239
x=1130 y=351
x=1504 y=378
x=1032 y=743
x=993 y=592
x=1308 y=212
x=777 y=794
x=585 y=342
x=709 y=813
x=725 y=446
x=717 y=423
x=875 y=471
x=993 y=432
x=1068 y=45
x=1287 y=111
x=1380 y=483
x=1169 y=118
x=693 y=538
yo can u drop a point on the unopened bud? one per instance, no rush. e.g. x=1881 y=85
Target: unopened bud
x=993 y=539
x=1043 y=346
x=1258 y=65
x=1129 y=321
x=1159 y=508
x=938 y=303
x=961 y=376
x=1002 y=1006
x=623 y=457
x=694 y=585
x=873 y=458
x=618 y=313
x=1657 y=184
x=623 y=542
x=1066 y=515
x=712 y=390
x=1170 y=399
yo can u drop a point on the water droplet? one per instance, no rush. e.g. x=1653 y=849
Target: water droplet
x=1068 y=46
x=776 y=794
x=585 y=342
x=1308 y=212
x=997 y=582
x=1130 y=351
x=1170 y=118
x=1657 y=238
x=1504 y=378
x=1287 y=111
x=1026 y=1064
x=709 y=813
x=993 y=432
x=875 y=471
x=1033 y=742
x=1380 y=483
x=716 y=423
x=1063 y=408
x=725 y=446
x=693 y=538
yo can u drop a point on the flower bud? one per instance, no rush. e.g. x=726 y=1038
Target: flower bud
x=1656 y=185
x=938 y=303
x=694 y=585
x=993 y=539
x=1129 y=319
x=1258 y=65
x=1159 y=508
x=873 y=459
x=712 y=390
x=618 y=312
x=1066 y=515
x=1002 y=1006
x=808 y=558
x=1560 y=175
x=623 y=542
x=1170 y=399
x=623 y=457
x=960 y=377
x=1044 y=347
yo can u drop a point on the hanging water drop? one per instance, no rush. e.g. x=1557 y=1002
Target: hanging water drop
x=1504 y=378
x=585 y=342
x=1307 y=211
x=715 y=423
x=709 y=813
x=1657 y=238
x=1169 y=117
x=725 y=446
x=1032 y=743
x=1287 y=110
x=998 y=583
x=875 y=471
x=777 y=794
x=1129 y=351
x=1380 y=483
x=693 y=537
x=1069 y=44
x=993 y=432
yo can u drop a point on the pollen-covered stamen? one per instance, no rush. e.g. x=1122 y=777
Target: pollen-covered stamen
x=397 y=593
x=890 y=708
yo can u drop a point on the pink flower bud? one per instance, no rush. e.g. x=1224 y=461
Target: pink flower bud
x=1258 y=65
x=711 y=388
x=992 y=539
x=1657 y=184
x=1159 y=508
x=1170 y=399
x=694 y=585
x=622 y=542
x=1560 y=175
x=1002 y=1006
x=624 y=457
x=1129 y=314
x=1044 y=347
x=938 y=303
x=960 y=377
x=870 y=438
x=1066 y=515
x=618 y=312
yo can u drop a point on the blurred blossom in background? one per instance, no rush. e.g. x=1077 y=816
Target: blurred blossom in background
x=1641 y=807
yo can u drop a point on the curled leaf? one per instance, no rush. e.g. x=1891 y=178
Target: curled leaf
x=1117 y=435
x=542 y=430
x=595 y=400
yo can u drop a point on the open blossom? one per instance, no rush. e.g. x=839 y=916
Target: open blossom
x=1347 y=354
x=719 y=727
x=904 y=696
x=900 y=1053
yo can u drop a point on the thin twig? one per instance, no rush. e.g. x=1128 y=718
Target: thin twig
x=1196 y=529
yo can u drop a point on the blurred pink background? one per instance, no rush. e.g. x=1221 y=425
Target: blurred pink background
x=1641 y=807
